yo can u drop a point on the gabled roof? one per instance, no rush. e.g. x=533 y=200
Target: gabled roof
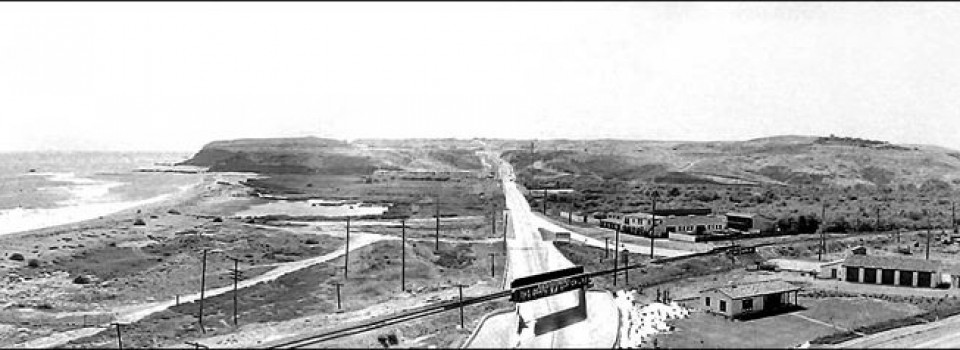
x=755 y=289
x=891 y=262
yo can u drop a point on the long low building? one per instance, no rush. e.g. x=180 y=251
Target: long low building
x=890 y=270
x=687 y=221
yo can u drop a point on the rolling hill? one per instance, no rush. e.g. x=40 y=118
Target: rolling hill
x=784 y=160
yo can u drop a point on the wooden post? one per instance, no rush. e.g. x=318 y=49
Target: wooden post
x=437 y=235
x=203 y=282
x=570 y=214
x=544 y=202
x=338 y=284
x=460 y=287
x=505 y=233
x=492 y=264
x=653 y=228
x=236 y=276
x=606 y=247
x=119 y=337
x=626 y=262
x=403 y=255
x=877 y=229
x=493 y=220
x=823 y=216
x=616 y=258
x=346 y=252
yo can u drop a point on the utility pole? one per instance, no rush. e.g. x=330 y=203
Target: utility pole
x=236 y=276
x=823 y=216
x=493 y=220
x=403 y=255
x=877 y=229
x=653 y=229
x=346 y=252
x=338 y=284
x=119 y=337
x=493 y=265
x=606 y=247
x=616 y=258
x=953 y=211
x=437 y=245
x=203 y=282
x=460 y=287
x=928 y=244
x=544 y=201
x=626 y=262
x=505 y=232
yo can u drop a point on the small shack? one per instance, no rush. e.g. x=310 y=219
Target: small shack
x=738 y=300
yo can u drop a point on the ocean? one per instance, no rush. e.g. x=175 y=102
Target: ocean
x=42 y=189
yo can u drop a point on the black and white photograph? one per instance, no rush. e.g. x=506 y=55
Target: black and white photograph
x=494 y=175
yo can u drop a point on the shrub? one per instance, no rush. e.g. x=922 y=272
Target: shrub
x=33 y=263
x=17 y=257
x=312 y=241
x=217 y=219
x=82 y=279
x=173 y=211
x=139 y=222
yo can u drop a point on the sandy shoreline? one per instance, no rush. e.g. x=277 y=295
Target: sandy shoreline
x=27 y=221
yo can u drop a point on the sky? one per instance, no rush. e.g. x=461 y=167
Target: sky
x=177 y=75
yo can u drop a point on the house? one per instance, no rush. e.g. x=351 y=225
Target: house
x=739 y=300
x=668 y=221
x=890 y=270
x=750 y=222
x=830 y=270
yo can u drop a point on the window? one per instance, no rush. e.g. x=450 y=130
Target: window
x=747 y=304
x=723 y=306
x=708 y=301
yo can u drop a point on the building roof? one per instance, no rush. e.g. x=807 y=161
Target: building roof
x=755 y=289
x=891 y=262
x=682 y=211
x=746 y=215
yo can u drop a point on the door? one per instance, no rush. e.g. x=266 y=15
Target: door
x=923 y=279
x=906 y=278
x=886 y=276
x=853 y=274
x=772 y=301
x=833 y=273
x=869 y=275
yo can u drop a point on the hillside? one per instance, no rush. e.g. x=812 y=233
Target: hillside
x=784 y=160
x=311 y=155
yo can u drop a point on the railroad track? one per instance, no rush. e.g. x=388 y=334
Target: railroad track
x=429 y=310
x=384 y=321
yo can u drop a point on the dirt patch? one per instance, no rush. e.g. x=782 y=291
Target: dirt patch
x=374 y=277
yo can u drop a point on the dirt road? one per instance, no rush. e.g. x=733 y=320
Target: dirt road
x=137 y=312
x=530 y=255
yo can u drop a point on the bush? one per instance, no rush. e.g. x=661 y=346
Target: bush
x=217 y=219
x=312 y=241
x=139 y=222
x=16 y=257
x=173 y=211
x=82 y=279
x=33 y=263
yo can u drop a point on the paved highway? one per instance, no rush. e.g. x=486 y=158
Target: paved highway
x=530 y=255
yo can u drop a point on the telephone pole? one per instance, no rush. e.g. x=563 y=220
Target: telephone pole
x=493 y=220
x=616 y=258
x=437 y=236
x=493 y=264
x=338 y=284
x=653 y=229
x=544 y=201
x=203 y=282
x=403 y=255
x=626 y=262
x=823 y=216
x=877 y=229
x=236 y=276
x=119 y=337
x=928 y=244
x=460 y=287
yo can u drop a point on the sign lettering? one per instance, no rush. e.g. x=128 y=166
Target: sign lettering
x=546 y=289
